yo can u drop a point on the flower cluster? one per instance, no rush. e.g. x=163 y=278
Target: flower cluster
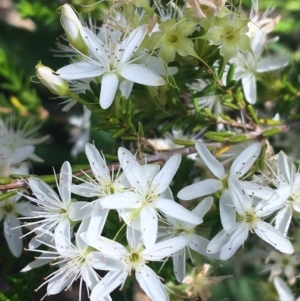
x=150 y=71
x=157 y=226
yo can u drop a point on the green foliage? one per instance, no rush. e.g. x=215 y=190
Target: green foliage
x=18 y=93
x=38 y=10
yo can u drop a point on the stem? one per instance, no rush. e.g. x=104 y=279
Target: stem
x=164 y=156
x=76 y=97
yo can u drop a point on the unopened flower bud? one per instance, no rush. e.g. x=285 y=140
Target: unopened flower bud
x=52 y=81
x=73 y=28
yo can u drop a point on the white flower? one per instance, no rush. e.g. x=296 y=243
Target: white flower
x=81 y=131
x=57 y=213
x=265 y=22
x=111 y=60
x=284 y=292
x=227 y=242
x=104 y=185
x=250 y=64
x=288 y=178
x=147 y=198
x=238 y=168
x=10 y=209
x=76 y=261
x=278 y=263
x=186 y=230
x=16 y=147
x=135 y=257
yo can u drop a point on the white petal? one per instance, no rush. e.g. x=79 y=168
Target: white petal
x=86 y=189
x=179 y=265
x=257 y=190
x=90 y=277
x=99 y=261
x=40 y=261
x=12 y=236
x=141 y=75
x=130 y=44
x=148 y=217
x=283 y=219
x=58 y=282
x=216 y=244
x=26 y=209
x=133 y=170
x=273 y=237
x=43 y=192
x=227 y=211
x=107 y=284
x=268 y=206
x=121 y=200
x=271 y=63
x=79 y=71
x=283 y=167
x=245 y=160
x=81 y=244
x=107 y=246
x=80 y=210
x=240 y=199
x=258 y=42
x=163 y=179
x=126 y=88
x=109 y=86
x=199 y=189
x=198 y=244
x=95 y=45
x=134 y=237
x=178 y=211
x=151 y=284
x=97 y=163
x=22 y=153
x=97 y=222
x=202 y=208
x=65 y=182
x=249 y=87
x=284 y=292
x=165 y=248
x=237 y=238
x=62 y=235
x=210 y=161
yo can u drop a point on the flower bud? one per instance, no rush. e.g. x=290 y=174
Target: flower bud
x=73 y=28
x=52 y=81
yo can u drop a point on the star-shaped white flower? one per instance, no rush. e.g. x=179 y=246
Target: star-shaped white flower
x=227 y=242
x=238 y=169
x=103 y=185
x=135 y=257
x=250 y=64
x=147 y=198
x=58 y=213
x=75 y=261
x=111 y=59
